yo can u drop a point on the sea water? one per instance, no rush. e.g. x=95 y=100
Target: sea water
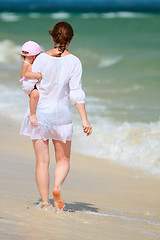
x=120 y=54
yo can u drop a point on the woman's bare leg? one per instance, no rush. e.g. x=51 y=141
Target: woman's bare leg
x=41 y=149
x=34 y=96
x=62 y=154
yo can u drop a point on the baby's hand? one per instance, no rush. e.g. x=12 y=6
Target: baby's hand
x=40 y=77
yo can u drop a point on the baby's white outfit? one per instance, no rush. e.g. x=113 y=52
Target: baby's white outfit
x=61 y=82
x=28 y=84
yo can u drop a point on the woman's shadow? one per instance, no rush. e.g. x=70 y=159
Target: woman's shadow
x=75 y=206
x=78 y=206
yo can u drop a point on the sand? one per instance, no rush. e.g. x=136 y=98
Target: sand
x=103 y=200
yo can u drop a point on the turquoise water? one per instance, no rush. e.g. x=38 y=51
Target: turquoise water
x=120 y=54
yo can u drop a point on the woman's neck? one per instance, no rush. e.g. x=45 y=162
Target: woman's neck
x=53 y=52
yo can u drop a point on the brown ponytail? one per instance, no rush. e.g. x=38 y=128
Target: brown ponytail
x=62 y=34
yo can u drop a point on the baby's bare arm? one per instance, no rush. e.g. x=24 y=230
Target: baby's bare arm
x=32 y=75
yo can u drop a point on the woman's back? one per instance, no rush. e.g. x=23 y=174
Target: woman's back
x=60 y=76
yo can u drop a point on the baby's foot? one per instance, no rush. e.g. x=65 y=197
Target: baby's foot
x=33 y=119
x=58 y=201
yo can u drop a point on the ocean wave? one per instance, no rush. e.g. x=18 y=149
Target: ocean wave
x=107 y=62
x=124 y=15
x=9 y=52
x=131 y=144
x=110 y=15
x=91 y=58
x=60 y=15
x=9 y=17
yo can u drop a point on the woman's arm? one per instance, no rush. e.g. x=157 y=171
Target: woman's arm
x=77 y=95
x=85 y=123
x=32 y=75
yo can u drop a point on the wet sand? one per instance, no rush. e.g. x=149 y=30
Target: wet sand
x=103 y=200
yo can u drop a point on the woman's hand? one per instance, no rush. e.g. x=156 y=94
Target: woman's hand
x=86 y=127
x=85 y=123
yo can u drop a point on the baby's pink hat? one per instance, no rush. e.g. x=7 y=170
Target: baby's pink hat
x=31 y=47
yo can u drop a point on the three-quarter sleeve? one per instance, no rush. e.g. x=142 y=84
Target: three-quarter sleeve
x=76 y=94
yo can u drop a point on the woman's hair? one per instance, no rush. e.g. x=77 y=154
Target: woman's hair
x=62 y=34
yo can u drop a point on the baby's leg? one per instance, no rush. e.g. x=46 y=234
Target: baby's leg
x=34 y=96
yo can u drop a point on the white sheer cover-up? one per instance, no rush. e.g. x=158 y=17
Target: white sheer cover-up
x=61 y=82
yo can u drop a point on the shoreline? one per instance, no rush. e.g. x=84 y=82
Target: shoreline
x=103 y=200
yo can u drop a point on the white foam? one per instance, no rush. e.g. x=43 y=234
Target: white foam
x=107 y=62
x=60 y=15
x=9 y=17
x=9 y=52
x=132 y=144
x=122 y=217
x=124 y=15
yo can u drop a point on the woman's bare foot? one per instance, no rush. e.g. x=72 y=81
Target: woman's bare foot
x=33 y=119
x=45 y=205
x=58 y=201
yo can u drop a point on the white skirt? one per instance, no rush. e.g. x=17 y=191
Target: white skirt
x=62 y=132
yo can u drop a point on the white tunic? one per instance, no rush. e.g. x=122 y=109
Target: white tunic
x=61 y=80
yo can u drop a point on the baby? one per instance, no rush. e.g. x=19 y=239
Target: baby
x=30 y=50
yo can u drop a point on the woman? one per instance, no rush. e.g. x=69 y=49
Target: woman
x=61 y=79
